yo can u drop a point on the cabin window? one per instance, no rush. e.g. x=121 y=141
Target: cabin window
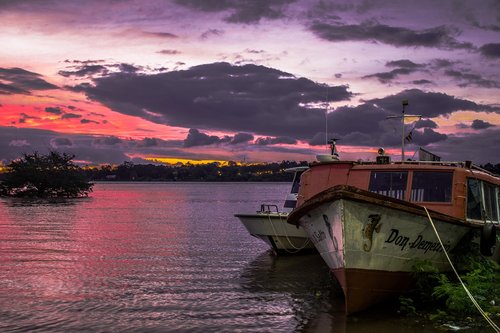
x=482 y=200
x=389 y=183
x=430 y=186
x=296 y=182
x=490 y=201
x=474 y=199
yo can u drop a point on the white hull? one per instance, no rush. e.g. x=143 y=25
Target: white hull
x=372 y=243
x=398 y=241
x=273 y=229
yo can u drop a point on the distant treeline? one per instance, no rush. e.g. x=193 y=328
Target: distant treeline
x=212 y=172
x=232 y=172
x=492 y=168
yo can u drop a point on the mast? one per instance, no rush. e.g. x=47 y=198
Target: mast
x=403 y=116
x=405 y=103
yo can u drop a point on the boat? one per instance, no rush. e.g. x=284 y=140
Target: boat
x=373 y=221
x=270 y=223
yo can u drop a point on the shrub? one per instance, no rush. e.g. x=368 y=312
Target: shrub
x=45 y=176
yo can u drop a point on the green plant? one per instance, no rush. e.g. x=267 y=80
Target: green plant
x=483 y=282
x=442 y=297
x=44 y=176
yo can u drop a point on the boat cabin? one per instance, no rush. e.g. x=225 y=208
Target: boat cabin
x=456 y=189
x=291 y=198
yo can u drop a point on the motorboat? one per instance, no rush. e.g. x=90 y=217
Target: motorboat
x=373 y=221
x=270 y=225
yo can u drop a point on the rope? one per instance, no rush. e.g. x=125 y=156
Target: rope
x=297 y=249
x=484 y=314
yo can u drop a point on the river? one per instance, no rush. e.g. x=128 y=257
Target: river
x=163 y=257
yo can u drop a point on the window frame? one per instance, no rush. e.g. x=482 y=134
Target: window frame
x=405 y=189
x=495 y=201
x=452 y=182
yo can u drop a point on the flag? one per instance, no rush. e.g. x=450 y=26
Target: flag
x=411 y=118
x=409 y=137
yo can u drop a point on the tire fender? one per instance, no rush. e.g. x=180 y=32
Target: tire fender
x=488 y=239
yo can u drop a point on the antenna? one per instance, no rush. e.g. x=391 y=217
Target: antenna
x=326 y=118
x=405 y=103
x=403 y=116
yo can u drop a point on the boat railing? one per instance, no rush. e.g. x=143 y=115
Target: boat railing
x=466 y=164
x=266 y=208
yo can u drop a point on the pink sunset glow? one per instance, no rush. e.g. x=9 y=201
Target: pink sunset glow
x=115 y=81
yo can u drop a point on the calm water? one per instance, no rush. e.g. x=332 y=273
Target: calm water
x=162 y=257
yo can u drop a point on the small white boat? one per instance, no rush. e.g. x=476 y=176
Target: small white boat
x=270 y=224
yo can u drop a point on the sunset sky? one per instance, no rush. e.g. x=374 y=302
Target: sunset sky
x=248 y=80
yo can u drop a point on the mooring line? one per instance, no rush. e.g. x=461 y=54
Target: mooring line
x=476 y=304
x=296 y=249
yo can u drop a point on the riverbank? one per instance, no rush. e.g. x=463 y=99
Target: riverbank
x=443 y=299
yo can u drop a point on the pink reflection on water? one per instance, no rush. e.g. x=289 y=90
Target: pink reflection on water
x=85 y=248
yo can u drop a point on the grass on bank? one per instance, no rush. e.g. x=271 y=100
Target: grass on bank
x=441 y=298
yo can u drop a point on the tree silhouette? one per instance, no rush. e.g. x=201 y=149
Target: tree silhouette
x=45 y=176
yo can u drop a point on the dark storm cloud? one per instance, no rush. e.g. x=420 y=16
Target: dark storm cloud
x=241 y=138
x=403 y=63
x=196 y=138
x=490 y=50
x=476 y=147
x=425 y=123
x=426 y=137
x=88 y=121
x=345 y=120
x=85 y=70
x=403 y=67
x=442 y=63
x=148 y=142
x=478 y=124
x=160 y=34
x=428 y=104
x=318 y=139
x=422 y=82
x=128 y=68
x=20 y=81
x=376 y=130
x=468 y=79
x=53 y=110
x=211 y=32
x=385 y=77
x=220 y=96
x=101 y=149
x=8 y=89
x=241 y=11
x=169 y=52
x=462 y=126
x=492 y=27
x=274 y=141
x=70 y=116
x=438 y=37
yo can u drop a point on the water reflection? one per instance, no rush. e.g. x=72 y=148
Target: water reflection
x=300 y=286
x=160 y=257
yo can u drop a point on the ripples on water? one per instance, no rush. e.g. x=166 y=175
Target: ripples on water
x=157 y=257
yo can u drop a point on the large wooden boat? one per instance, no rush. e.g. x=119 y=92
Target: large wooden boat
x=369 y=220
x=270 y=223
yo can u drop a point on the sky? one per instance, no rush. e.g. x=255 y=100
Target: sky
x=150 y=81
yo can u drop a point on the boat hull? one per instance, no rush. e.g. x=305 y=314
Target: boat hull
x=273 y=229
x=371 y=243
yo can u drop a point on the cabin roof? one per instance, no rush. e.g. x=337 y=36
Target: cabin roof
x=470 y=170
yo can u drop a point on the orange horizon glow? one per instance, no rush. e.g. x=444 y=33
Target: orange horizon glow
x=175 y=161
